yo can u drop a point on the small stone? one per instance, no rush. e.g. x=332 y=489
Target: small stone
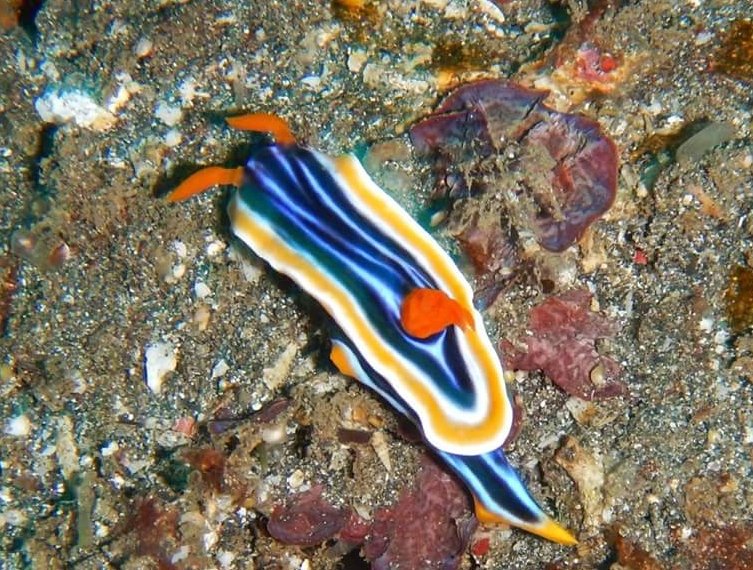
x=296 y=479
x=274 y=434
x=180 y=248
x=169 y=114
x=58 y=106
x=379 y=443
x=215 y=247
x=109 y=449
x=178 y=271
x=220 y=369
x=173 y=138
x=201 y=290
x=20 y=426
x=225 y=558
x=180 y=554
x=201 y=317
x=276 y=375
x=356 y=60
x=160 y=358
x=144 y=48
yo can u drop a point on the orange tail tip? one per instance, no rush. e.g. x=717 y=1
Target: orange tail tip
x=425 y=312
x=548 y=529
x=204 y=179
x=552 y=530
x=264 y=123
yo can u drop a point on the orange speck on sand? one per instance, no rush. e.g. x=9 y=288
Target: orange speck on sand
x=608 y=63
x=428 y=311
x=640 y=257
x=185 y=425
x=481 y=546
x=264 y=123
x=210 y=463
x=204 y=179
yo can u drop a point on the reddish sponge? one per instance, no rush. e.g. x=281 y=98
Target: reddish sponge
x=430 y=526
x=307 y=519
x=563 y=346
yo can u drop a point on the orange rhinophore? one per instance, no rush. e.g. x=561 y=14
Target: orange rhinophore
x=205 y=179
x=264 y=123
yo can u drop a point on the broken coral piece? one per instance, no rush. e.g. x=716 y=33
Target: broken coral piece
x=568 y=152
x=307 y=519
x=60 y=106
x=160 y=359
x=586 y=469
x=430 y=526
x=563 y=347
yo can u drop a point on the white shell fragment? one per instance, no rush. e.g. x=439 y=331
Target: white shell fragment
x=171 y=115
x=59 y=107
x=160 y=358
x=703 y=141
x=20 y=426
x=278 y=373
x=381 y=448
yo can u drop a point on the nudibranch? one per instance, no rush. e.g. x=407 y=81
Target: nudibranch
x=405 y=324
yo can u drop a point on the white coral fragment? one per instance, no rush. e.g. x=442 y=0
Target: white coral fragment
x=160 y=358
x=60 y=106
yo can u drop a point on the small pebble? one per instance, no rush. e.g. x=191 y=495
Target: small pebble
x=356 y=60
x=277 y=374
x=220 y=369
x=144 y=48
x=168 y=114
x=296 y=479
x=178 y=271
x=379 y=443
x=215 y=247
x=201 y=317
x=274 y=434
x=201 y=290
x=109 y=449
x=225 y=558
x=160 y=359
x=20 y=426
x=180 y=248
x=173 y=138
x=180 y=554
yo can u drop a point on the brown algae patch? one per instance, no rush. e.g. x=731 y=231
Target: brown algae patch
x=735 y=55
x=739 y=299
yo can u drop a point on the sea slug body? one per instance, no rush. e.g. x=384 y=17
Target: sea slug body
x=405 y=324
